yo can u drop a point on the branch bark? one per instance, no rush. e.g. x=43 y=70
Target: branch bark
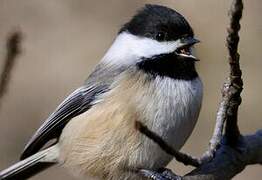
x=231 y=99
x=235 y=84
x=229 y=161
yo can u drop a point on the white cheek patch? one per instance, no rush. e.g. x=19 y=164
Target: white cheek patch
x=128 y=49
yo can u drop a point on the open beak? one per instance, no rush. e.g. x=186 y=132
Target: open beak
x=184 y=49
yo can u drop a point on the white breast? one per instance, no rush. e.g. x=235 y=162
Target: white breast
x=171 y=111
x=177 y=103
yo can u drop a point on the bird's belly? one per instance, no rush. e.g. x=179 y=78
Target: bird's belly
x=107 y=144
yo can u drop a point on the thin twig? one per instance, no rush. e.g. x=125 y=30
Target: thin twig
x=232 y=132
x=13 y=50
x=231 y=99
x=181 y=157
x=218 y=130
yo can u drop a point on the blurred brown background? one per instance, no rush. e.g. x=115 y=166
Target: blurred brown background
x=64 y=39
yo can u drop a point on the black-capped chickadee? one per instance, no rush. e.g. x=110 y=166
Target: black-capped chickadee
x=147 y=75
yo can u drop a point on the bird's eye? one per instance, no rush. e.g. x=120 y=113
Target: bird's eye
x=160 y=36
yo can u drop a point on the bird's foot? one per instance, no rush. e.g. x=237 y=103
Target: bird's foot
x=161 y=174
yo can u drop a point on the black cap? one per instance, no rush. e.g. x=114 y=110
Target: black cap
x=158 y=22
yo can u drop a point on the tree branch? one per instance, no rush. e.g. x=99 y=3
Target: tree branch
x=235 y=81
x=231 y=99
x=228 y=161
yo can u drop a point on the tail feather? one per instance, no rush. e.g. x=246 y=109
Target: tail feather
x=31 y=165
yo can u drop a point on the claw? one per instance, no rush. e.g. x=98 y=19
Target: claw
x=163 y=174
x=152 y=174
x=168 y=174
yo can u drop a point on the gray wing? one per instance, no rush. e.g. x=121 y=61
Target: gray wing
x=76 y=103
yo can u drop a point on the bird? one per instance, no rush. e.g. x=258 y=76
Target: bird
x=148 y=75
